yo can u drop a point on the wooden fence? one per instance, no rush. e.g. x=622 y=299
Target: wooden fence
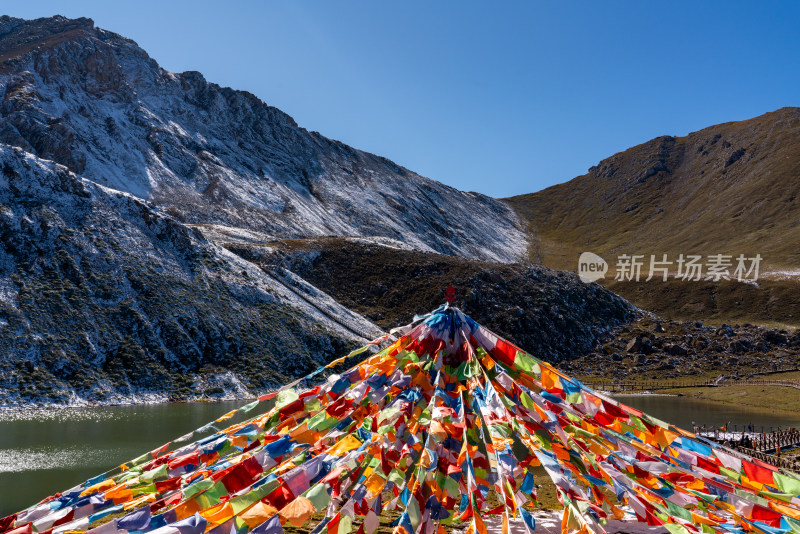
x=790 y=463
x=769 y=442
x=649 y=385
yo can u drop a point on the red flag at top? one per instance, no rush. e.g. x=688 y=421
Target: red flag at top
x=450 y=294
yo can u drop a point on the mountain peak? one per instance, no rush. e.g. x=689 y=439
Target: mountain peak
x=212 y=156
x=19 y=37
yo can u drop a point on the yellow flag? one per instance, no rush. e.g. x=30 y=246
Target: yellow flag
x=349 y=443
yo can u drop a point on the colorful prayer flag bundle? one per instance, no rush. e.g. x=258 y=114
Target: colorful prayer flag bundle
x=446 y=425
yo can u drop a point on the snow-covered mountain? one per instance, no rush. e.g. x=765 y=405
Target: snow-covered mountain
x=145 y=219
x=95 y=102
x=103 y=297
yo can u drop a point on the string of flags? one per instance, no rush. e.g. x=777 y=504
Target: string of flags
x=447 y=425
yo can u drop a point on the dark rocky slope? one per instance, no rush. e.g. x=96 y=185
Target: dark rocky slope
x=658 y=350
x=549 y=313
x=104 y=299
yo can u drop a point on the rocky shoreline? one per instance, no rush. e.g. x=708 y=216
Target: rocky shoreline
x=651 y=348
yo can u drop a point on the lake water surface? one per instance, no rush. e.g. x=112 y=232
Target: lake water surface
x=50 y=450
x=45 y=451
x=683 y=411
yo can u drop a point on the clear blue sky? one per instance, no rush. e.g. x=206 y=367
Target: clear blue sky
x=497 y=97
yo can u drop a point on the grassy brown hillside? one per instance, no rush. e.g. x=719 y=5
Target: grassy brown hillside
x=728 y=189
x=773 y=303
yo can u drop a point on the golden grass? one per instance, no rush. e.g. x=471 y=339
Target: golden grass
x=757 y=398
x=685 y=196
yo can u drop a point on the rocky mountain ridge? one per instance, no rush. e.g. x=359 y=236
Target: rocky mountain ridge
x=165 y=238
x=132 y=199
x=95 y=102
x=105 y=299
